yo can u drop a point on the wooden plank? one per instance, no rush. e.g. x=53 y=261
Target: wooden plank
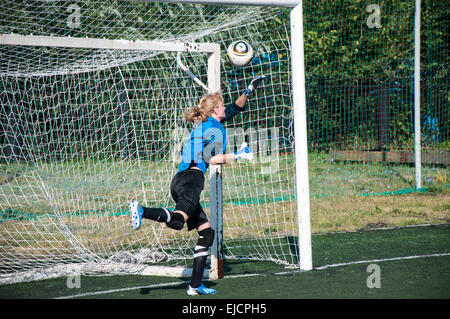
x=428 y=157
x=359 y=156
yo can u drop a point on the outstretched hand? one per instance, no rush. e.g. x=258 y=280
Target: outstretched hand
x=244 y=152
x=253 y=85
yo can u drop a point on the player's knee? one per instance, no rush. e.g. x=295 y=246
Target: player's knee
x=176 y=221
x=206 y=237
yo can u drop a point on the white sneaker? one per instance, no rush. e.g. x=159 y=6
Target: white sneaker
x=202 y=290
x=136 y=212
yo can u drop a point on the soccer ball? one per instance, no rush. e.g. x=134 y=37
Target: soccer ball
x=239 y=53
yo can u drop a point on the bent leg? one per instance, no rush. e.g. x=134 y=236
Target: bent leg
x=177 y=220
x=157 y=214
x=205 y=240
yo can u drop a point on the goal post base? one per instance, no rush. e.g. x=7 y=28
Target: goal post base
x=217 y=271
x=165 y=271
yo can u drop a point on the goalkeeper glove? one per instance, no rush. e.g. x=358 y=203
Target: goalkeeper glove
x=253 y=85
x=244 y=152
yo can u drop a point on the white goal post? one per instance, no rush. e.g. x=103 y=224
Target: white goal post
x=213 y=74
x=296 y=230
x=299 y=107
x=91 y=102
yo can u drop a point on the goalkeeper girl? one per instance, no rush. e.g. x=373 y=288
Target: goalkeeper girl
x=205 y=146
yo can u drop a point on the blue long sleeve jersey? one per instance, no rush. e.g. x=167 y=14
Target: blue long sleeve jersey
x=206 y=140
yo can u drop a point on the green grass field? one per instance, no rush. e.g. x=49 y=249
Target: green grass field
x=414 y=263
x=360 y=215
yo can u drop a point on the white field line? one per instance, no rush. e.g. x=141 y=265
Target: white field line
x=381 y=260
x=168 y=284
x=94 y=293
x=377 y=228
x=369 y=262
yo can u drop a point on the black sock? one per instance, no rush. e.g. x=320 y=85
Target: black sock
x=200 y=257
x=159 y=214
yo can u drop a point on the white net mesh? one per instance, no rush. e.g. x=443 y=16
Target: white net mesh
x=86 y=130
x=82 y=131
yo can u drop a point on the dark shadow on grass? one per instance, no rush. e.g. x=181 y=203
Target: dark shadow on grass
x=181 y=286
x=293 y=246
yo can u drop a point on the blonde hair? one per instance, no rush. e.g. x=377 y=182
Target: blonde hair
x=207 y=104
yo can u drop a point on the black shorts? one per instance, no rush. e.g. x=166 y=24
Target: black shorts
x=186 y=188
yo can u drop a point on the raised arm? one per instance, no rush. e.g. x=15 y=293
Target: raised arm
x=236 y=107
x=244 y=152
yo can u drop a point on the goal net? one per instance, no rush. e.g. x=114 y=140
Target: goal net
x=84 y=130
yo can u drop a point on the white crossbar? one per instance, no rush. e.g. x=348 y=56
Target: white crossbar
x=265 y=3
x=91 y=43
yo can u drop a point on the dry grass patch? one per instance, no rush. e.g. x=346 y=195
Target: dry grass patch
x=362 y=212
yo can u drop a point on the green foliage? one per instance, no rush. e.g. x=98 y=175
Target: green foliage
x=346 y=61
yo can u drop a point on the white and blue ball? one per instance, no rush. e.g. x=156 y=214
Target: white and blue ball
x=240 y=53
